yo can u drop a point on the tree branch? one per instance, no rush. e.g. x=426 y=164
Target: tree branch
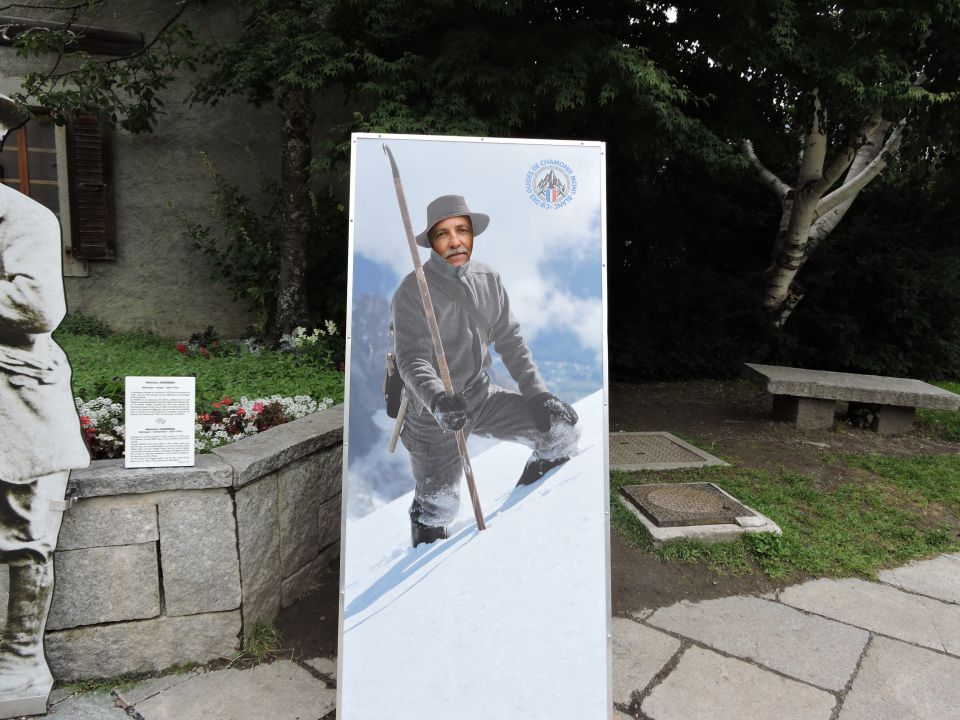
x=846 y=156
x=814 y=150
x=853 y=186
x=778 y=186
x=166 y=26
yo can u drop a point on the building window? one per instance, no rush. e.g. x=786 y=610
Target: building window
x=28 y=162
x=68 y=170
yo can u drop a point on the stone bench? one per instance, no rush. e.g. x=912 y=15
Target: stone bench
x=163 y=566
x=808 y=398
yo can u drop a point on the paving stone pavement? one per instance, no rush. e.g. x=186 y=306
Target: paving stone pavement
x=830 y=649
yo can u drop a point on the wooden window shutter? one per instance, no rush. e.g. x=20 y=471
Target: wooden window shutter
x=89 y=168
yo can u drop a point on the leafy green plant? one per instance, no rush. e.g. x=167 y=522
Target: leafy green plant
x=242 y=249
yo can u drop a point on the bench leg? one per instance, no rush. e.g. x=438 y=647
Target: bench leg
x=805 y=413
x=888 y=419
x=894 y=420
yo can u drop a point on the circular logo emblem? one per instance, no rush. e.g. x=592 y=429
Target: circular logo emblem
x=551 y=184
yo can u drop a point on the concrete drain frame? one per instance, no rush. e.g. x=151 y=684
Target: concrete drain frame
x=631 y=496
x=632 y=451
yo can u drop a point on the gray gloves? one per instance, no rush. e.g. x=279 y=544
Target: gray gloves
x=450 y=412
x=547 y=409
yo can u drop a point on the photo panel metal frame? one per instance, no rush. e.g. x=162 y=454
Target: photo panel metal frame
x=495 y=623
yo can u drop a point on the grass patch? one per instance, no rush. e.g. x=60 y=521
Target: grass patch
x=100 y=363
x=262 y=643
x=941 y=424
x=897 y=510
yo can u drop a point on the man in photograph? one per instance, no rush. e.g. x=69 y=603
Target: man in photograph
x=472 y=311
x=41 y=439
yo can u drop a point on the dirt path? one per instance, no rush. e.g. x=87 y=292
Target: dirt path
x=731 y=419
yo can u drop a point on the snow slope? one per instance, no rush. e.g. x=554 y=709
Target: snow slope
x=506 y=624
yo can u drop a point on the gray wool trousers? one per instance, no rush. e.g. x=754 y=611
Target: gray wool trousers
x=493 y=412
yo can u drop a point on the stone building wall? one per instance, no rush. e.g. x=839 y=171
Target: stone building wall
x=158 y=567
x=158 y=281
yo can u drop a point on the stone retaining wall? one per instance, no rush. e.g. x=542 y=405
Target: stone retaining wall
x=157 y=567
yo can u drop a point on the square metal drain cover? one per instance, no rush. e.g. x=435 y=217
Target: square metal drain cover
x=656 y=451
x=681 y=504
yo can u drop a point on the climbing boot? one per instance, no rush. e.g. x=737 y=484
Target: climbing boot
x=537 y=467
x=421 y=534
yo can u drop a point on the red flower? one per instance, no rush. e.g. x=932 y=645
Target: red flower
x=257 y=407
x=181 y=348
x=226 y=401
x=241 y=411
x=85 y=421
x=216 y=405
x=203 y=351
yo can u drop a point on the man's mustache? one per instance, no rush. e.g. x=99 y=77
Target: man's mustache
x=455 y=251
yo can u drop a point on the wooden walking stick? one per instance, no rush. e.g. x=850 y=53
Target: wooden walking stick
x=435 y=334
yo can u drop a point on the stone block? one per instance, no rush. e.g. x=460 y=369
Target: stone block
x=89 y=525
x=145 y=646
x=87 y=706
x=897 y=680
x=883 y=609
x=198 y=552
x=299 y=509
x=110 y=584
x=325 y=666
x=938 y=577
x=280 y=690
x=805 y=413
x=258 y=534
x=893 y=420
x=815 y=650
x=110 y=477
x=639 y=653
x=708 y=686
x=328 y=521
x=299 y=582
x=273 y=449
x=152 y=686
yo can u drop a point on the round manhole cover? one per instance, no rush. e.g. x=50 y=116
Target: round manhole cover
x=686 y=500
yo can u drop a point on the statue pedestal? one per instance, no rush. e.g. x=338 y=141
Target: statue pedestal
x=30 y=704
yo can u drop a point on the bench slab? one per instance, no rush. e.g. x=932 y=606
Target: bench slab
x=867 y=389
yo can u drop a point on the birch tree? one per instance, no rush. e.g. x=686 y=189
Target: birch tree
x=846 y=82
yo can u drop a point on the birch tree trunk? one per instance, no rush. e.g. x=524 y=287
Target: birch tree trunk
x=295 y=154
x=809 y=209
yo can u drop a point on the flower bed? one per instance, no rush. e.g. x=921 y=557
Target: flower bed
x=101 y=421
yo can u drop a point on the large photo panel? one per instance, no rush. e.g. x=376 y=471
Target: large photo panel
x=475 y=559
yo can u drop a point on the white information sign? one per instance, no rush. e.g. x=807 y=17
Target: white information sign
x=159 y=421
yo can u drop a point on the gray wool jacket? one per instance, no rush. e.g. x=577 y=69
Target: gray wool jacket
x=465 y=347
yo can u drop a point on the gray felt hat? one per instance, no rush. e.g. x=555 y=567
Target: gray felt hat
x=448 y=206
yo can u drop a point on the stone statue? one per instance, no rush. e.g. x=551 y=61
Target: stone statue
x=41 y=438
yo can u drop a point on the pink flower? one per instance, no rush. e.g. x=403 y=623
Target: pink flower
x=257 y=407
